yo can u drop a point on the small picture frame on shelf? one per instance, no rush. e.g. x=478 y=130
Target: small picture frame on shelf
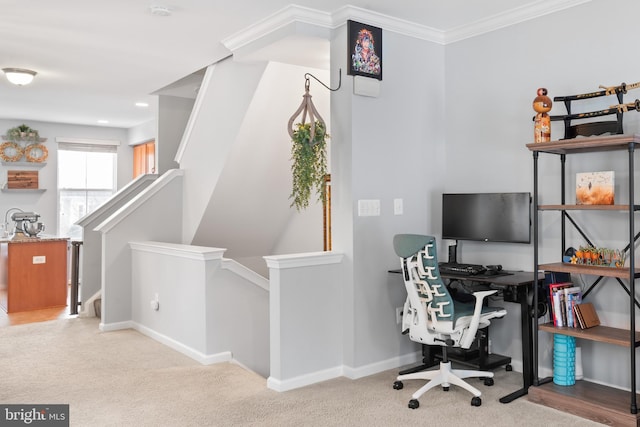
x=595 y=188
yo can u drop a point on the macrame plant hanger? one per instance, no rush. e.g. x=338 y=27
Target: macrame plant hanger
x=307 y=108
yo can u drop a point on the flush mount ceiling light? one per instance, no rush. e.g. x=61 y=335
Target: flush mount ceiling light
x=19 y=76
x=160 y=10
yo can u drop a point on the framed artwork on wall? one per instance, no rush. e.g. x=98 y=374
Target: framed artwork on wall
x=364 y=50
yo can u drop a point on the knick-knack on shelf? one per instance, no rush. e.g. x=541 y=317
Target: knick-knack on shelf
x=542 y=121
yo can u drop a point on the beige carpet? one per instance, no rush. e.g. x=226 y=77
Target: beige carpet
x=123 y=378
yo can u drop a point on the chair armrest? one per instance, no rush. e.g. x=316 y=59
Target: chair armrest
x=475 y=321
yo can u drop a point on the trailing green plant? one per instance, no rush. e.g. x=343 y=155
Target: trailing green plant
x=309 y=165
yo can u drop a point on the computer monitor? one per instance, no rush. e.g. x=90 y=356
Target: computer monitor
x=487 y=217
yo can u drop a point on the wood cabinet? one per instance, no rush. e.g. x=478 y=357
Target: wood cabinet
x=33 y=274
x=144 y=158
x=603 y=404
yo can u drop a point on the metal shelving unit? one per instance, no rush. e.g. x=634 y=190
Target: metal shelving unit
x=590 y=400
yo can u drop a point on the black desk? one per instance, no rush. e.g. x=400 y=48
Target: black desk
x=515 y=288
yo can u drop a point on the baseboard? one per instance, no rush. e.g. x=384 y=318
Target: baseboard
x=384 y=365
x=304 y=380
x=342 y=371
x=108 y=327
x=205 y=359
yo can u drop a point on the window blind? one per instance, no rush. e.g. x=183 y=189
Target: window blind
x=92 y=145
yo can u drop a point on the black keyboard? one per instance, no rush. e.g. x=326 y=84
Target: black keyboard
x=461 y=269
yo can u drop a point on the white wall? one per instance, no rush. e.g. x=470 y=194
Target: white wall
x=143 y=133
x=192 y=286
x=491 y=81
x=173 y=115
x=226 y=91
x=91 y=248
x=46 y=204
x=384 y=148
x=145 y=217
x=305 y=322
x=238 y=162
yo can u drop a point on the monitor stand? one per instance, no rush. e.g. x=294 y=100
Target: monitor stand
x=453 y=254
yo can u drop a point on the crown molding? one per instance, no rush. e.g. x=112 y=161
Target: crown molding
x=288 y=15
x=509 y=17
x=388 y=23
x=294 y=14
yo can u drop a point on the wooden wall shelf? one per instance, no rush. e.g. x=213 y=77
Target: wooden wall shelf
x=24 y=190
x=24 y=164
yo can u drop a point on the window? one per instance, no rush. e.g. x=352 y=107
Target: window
x=86 y=179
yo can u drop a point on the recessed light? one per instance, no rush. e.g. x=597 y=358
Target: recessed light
x=103 y=122
x=142 y=104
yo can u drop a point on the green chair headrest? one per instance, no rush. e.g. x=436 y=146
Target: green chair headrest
x=407 y=245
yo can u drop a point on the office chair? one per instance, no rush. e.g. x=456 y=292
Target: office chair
x=432 y=317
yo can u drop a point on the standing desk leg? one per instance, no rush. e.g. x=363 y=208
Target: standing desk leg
x=527 y=338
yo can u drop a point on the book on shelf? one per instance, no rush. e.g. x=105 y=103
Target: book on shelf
x=572 y=296
x=556 y=300
x=586 y=315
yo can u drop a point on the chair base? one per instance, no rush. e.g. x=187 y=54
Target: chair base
x=447 y=376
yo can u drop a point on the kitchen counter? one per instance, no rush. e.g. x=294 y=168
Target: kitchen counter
x=40 y=238
x=33 y=273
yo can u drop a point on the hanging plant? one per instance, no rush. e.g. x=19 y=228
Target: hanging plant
x=309 y=163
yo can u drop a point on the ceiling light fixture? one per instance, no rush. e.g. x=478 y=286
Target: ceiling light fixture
x=19 y=76
x=160 y=10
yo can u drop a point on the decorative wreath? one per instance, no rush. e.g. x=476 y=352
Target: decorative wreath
x=10 y=151
x=37 y=153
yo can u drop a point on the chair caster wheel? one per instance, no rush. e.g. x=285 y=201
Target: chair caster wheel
x=398 y=385
x=508 y=368
x=488 y=382
x=413 y=404
x=446 y=388
x=476 y=401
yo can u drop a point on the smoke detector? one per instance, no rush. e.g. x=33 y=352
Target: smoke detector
x=160 y=10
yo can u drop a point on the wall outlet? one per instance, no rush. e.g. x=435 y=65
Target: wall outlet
x=399 y=315
x=155 y=303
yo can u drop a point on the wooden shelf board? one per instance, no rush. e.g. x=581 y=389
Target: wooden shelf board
x=606 y=405
x=25 y=139
x=23 y=190
x=585 y=145
x=606 y=334
x=24 y=164
x=593 y=270
x=624 y=208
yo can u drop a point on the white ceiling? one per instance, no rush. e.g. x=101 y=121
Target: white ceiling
x=95 y=60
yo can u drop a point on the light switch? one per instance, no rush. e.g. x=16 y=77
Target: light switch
x=368 y=207
x=40 y=259
x=397 y=207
